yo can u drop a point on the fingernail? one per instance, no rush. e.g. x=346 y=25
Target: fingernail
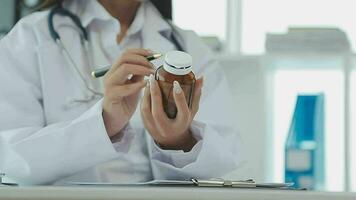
x=152 y=78
x=202 y=82
x=176 y=87
x=129 y=77
x=163 y=135
x=150 y=51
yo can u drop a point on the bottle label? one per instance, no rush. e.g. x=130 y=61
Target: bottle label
x=169 y=105
x=298 y=160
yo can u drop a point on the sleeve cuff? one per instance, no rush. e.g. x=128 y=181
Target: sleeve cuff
x=121 y=142
x=218 y=153
x=96 y=132
x=124 y=139
x=179 y=158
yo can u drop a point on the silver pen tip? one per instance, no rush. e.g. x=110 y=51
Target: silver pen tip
x=157 y=55
x=93 y=74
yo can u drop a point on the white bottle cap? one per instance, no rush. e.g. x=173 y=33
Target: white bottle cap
x=178 y=63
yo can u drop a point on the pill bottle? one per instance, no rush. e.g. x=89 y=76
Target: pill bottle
x=177 y=66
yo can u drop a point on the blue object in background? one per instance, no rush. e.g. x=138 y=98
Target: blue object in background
x=304 y=149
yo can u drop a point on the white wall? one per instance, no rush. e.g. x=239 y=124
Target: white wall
x=247 y=80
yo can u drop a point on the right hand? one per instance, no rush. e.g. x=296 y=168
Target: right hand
x=121 y=94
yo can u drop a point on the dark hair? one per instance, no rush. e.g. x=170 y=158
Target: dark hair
x=163 y=6
x=49 y=3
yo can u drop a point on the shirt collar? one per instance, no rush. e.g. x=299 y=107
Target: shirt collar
x=91 y=10
x=147 y=17
x=154 y=20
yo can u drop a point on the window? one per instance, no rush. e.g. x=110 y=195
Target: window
x=207 y=18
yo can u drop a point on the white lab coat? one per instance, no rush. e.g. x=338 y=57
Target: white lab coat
x=46 y=135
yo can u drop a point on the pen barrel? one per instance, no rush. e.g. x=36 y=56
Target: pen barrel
x=150 y=58
x=100 y=72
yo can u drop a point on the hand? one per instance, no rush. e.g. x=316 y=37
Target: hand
x=169 y=133
x=121 y=93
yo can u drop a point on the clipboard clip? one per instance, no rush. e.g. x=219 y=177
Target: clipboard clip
x=249 y=183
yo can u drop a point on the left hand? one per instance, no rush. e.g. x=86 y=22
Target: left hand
x=173 y=134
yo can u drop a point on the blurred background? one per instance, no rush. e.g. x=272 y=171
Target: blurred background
x=291 y=69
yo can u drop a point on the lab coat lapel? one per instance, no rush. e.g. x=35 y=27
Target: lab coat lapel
x=74 y=43
x=155 y=31
x=157 y=42
x=70 y=36
x=59 y=84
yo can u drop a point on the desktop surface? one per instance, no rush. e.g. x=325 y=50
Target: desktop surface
x=168 y=193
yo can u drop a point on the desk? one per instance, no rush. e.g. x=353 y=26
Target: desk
x=167 y=193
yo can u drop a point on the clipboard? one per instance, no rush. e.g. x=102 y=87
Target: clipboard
x=1 y=176
x=193 y=182
x=2 y=183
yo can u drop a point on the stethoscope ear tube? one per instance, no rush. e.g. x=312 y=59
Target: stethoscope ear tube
x=66 y=13
x=55 y=36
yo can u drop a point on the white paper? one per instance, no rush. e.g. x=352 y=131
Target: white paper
x=154 y=182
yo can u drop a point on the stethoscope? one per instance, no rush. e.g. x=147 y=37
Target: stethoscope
x=59 y=10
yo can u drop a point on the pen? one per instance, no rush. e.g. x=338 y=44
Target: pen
x=101 y=72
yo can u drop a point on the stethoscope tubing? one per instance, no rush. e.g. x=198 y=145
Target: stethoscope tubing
x=59 y=10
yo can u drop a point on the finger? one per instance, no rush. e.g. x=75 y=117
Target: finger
x=181 y=103
x=146 y=113
x=121 y=75
x=136 y=78
x=196 y=96
x=142 y=52
x=132 y=70
x=132 y=59
x=156 y=102
x=126 y=90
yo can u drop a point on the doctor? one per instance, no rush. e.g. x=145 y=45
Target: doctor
x=59 y=124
